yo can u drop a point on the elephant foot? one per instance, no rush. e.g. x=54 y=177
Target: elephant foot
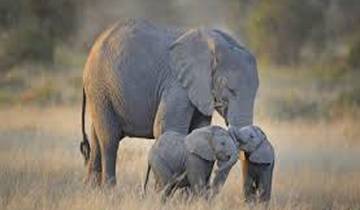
x=163 y=199
x=109 y=182
x=93 y=180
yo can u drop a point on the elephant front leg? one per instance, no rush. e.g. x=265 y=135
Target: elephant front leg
x=198 y=174
x=199 y=120
x=251 y=183
x=175 y=112
x=219 y=179
x=265 y=182
x=245 y=168
x=250 y=187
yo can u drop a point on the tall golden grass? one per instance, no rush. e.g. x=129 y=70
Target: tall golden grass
x=317 y=166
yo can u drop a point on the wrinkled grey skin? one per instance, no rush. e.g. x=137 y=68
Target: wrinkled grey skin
x=179 y=161
x=260 y=153
x=142 y=80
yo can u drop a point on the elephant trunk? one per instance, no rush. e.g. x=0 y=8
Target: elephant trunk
x=241 y=106
x=222 y=174
x=240 y=111
x=228 y=164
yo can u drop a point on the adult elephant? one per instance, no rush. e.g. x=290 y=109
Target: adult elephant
x=141 y=80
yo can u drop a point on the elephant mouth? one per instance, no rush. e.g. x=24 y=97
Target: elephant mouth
x=224 y=157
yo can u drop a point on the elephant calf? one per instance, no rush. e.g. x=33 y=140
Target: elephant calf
x=179 y=161
x=260 y=153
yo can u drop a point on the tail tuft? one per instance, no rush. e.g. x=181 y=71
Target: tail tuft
x=146 y=179
x=84 y=145
x=85 y=150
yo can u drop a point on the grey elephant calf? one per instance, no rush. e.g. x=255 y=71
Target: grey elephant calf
x=260 y=153
x=179 y=161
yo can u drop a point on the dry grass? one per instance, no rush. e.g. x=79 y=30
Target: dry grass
x=41 y=168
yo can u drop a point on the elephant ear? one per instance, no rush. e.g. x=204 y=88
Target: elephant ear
x=199 y=142
x=263 y=154
x=191 y=58
x=260 y=133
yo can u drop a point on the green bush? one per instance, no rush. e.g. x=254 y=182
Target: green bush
x=7 y=98
x=293 y=32
x=349 y=98
x=354 y=55
x=28 y=42
x=10 y=11
x=41 y=95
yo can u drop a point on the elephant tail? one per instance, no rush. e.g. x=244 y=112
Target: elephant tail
x=84 y=145
x=146 y=178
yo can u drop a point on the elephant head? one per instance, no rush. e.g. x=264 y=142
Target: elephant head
x=213 y=143
x=217 y=73
x=253 y=141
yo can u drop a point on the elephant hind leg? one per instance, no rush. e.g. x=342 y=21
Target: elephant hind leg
x=175 y=183
x=94 y=165
x=109 y=132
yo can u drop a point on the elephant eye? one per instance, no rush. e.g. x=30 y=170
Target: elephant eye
x=222 y=143
x=232 y=91
x=251 y=136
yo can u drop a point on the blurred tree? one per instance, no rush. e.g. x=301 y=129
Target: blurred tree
x=354 y=55
x=292 y=32
x=279 y=28
x=287 y=32
x=32 y=28
x=9 y=13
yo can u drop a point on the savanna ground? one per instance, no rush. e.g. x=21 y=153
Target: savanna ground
x=317 y=164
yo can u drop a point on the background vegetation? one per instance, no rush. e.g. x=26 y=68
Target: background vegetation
x=319 y=38
x=308 y=102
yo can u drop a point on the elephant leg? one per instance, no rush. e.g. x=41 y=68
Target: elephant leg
x=244 y=168
x=199 y=120
x=109 y=162
x=265 y=182
x=174 y=184
x=250 y=183
x=161 y=172
x=158 y=186
x=109 y=133
x=94 y=165
x=169 y=190
x=220 y=178
x=158 y=124
x=198 y=173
